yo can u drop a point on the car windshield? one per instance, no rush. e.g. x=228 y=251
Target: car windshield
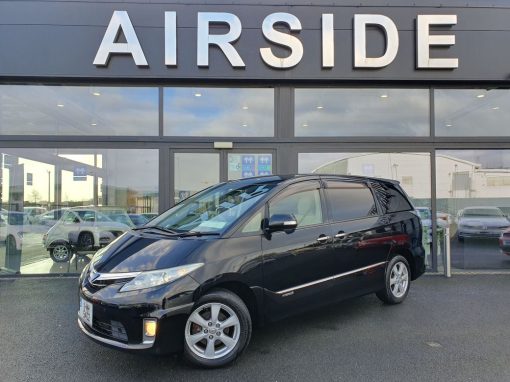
x=214 y=209
x=482 y=212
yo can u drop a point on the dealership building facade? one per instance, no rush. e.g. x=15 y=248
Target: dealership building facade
x=128 y=107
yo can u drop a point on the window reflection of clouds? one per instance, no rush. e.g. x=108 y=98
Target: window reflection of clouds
x=362 y=112
x=238 y=112
x=472 y=112
x=78 y=110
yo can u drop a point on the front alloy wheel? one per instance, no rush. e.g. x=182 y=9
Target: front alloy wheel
x=218 y=329
x=397 y=281
x=60 y=253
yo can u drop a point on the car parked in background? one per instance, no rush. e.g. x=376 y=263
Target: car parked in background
x=198 y=276
x=504 y=242
x=425 y=214
x=444 y=218
x=85 y=228
x=49 y=218
x=481 y=222
x=13 y=225
x=426 y=218
x=33 y=213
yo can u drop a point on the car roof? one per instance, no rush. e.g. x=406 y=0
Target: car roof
x=291 y=178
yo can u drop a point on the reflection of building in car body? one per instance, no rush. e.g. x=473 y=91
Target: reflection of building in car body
x=86 y=228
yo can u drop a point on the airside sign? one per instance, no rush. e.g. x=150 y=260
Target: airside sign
x=271 y=29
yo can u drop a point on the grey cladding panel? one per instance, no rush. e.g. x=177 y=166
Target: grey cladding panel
x=63 y=38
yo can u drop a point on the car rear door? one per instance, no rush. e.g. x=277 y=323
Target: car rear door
x=361 y=242
x=296 y=261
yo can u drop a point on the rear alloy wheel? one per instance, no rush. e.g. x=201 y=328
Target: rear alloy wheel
x=60 y=253
x=218 y=329
x=397 y=281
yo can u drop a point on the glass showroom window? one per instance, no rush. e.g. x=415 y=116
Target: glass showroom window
x=193 y=172
x=78 y=110
x=56 y=202
x=224 y=112
x=473 y=188
x=472 y=112
x=362 y=112
x=412 y=170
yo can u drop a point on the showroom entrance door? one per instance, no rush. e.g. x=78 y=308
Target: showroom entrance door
x=194 y=170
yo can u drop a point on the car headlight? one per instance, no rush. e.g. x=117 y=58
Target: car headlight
x=158 y=277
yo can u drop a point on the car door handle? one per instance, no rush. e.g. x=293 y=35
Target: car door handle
x=340 y=235
x=323 y=238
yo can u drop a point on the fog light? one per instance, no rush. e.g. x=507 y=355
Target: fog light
x=149 y=327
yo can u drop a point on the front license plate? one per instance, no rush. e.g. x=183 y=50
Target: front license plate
x=506 y=243
x=85 y=311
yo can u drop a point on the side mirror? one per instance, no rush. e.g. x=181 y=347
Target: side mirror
x=281 y=222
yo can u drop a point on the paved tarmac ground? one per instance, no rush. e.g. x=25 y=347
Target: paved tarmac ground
x=454 y=329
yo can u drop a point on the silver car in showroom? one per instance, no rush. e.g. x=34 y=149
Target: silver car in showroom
x=481 y=222
x=84 y=229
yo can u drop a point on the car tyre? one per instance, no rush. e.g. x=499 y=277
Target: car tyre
x=10 y=244
x=218 y=330
x=397 y=280
x=60 y=253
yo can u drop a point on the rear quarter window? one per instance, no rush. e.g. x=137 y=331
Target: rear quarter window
x=390 y=198
x=349 y=200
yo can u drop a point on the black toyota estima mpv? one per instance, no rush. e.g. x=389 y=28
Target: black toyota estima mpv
x=200 y=275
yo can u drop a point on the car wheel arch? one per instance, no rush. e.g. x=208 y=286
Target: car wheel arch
x=87 y=232
x=57 y=242
x=239 y=288
x=408 y=256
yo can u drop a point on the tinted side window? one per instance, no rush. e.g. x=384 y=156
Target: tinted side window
x=304 y=205
x=349 y=200
x=390 y=198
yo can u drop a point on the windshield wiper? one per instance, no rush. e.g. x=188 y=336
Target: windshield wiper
x=155 y=227
x=198 y=233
